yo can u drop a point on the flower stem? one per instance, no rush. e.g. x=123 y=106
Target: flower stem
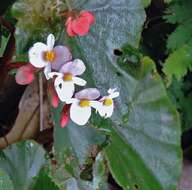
x=41 y=101
x=68 y=5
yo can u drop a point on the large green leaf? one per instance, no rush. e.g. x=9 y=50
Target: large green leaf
x=114 y=21
x=145 y=140
x=22 y=161
x=73 y=145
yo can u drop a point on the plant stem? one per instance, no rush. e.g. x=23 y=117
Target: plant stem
x=41 y=101
x=68 y=5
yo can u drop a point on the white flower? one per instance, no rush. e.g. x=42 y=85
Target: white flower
x=106 y=106
x=67 y=78
x=80 y=110
x=47 y=56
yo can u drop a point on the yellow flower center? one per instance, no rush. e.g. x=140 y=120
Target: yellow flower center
x=108 y=102
x=68 y=77
x=84 y=103
x=49 y=56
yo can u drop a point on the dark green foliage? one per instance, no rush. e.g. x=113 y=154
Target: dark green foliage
x=5 y=5
x=180 y=93
x=44 y=182
x=179 y=43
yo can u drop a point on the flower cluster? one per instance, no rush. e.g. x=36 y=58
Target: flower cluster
x=64 y=71
x=79 y=25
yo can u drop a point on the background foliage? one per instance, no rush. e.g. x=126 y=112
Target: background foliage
x=180 y=41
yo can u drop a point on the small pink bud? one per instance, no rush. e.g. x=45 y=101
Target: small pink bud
x=65 y=116
x=54 y=98
x=25 y=75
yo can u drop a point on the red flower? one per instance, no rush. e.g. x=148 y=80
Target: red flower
x=54 y=97
x=80 y=25
x=65 y=116
x=25 y=75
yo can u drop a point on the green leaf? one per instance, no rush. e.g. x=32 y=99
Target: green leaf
x=145 y=148
x=44 y=181
x=73 y=145
x=181 y=36
x=168 y=1
x=5 y=182
x=99 y=173
x=146 y=3
x=180 y=41
x=178 y=91
x=22 y=161
x=4 y=41
x=178 y=62
x=179 y=12
x=75 y=140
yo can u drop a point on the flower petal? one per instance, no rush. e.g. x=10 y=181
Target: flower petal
x=96 y=105
x=64 y=89
x=70 y=101
x=66 y=68
x=64 y=120
x=78 y=114
x=68 y=21
x=25 y=75
x=106 y=111
x=64 y=116
x=47 y=70
x=76 y=67
x=50 y=41
x=62 y=55
x=54 y=97
x=89 y=16
x=80 y=26
x=113 y=93
x=68 y=24
x=79 y=81
x=88 y=93
x=36 y=55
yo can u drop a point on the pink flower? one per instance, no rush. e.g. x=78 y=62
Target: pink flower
x=82 y=104
x=80 y=25
x=106 y=107
x=67 y=77
x=47 y=56
x=25 y=75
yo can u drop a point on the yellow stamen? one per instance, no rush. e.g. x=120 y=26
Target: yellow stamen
x=108 y=102
x=49 y=56
x=84 y=103
x=68 y=77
